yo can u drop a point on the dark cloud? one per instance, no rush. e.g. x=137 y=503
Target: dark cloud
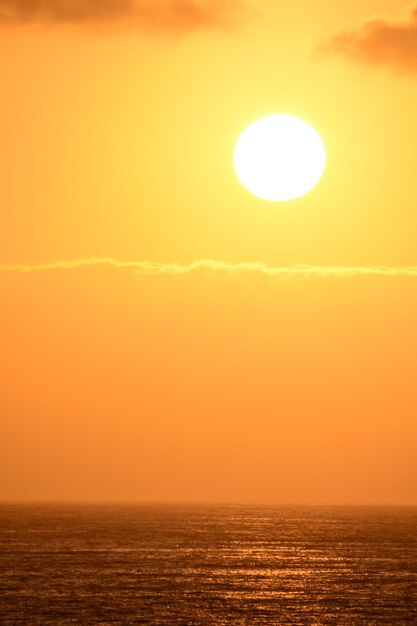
x=381 y=42
x=174 y=15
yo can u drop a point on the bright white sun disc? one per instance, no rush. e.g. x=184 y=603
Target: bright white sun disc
x=279 y=158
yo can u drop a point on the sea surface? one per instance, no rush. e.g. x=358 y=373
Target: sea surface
x=185 y=565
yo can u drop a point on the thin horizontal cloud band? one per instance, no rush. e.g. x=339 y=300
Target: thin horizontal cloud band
x=155 y=15
x=152 y=268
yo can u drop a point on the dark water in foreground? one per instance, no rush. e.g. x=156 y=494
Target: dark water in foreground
x=207 y=565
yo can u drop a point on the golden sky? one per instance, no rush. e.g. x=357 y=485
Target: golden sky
x=281 y=368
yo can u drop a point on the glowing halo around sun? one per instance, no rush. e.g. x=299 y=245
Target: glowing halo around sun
x=279 y=158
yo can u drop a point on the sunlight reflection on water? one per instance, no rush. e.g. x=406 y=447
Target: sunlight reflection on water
x=207 y=565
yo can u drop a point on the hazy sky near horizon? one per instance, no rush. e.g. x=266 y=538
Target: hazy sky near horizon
x=242 y=378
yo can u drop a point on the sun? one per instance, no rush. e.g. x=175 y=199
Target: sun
x=279 y=158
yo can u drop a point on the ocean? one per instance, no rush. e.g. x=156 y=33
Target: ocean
x=214 y=565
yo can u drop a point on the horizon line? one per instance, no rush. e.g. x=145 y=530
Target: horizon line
x=224 y=503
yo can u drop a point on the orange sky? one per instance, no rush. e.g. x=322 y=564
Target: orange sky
x=219 y=382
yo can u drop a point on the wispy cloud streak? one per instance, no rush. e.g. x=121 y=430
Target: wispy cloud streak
x=158 y=15
x=210 y=265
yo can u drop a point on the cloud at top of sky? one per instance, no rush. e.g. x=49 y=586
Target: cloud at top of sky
x=164 y=15
x=380 y=42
